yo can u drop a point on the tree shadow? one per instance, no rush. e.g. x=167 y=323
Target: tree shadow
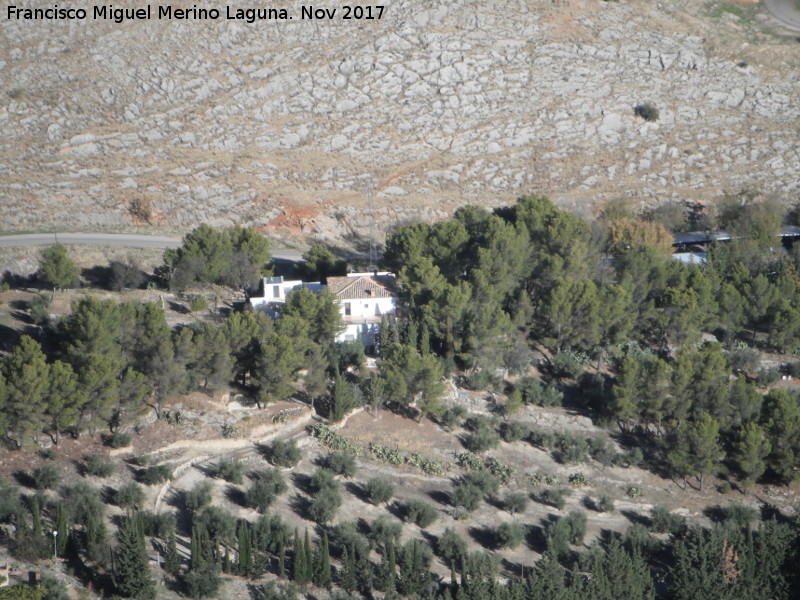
x=357 y=491
x=485 y=536
x=440 y=496
x=515 y=569
x=302 y=482
x=301 y=505
x=235 y=495
x=181 y=309
x=24 y=479
x=635 y=518
x=97 y=276
x=397 y=509
x=535 y=538
x=9 y=338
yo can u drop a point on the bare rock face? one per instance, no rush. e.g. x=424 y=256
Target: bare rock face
x=283 y=124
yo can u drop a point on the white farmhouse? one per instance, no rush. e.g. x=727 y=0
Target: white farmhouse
x=363 y=299
x=274 y=290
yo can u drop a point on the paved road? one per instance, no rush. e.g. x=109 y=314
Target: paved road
x=112 y=239
x=786 y=12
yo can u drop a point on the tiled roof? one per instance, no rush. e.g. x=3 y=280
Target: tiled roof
x=365 y=286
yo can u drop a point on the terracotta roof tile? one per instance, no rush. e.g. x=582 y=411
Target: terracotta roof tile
x=366 y=286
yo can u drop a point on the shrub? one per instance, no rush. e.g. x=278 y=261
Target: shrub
x=452 y=417
x=47 y=453
x=546 y=440
x=284 y=454
x=467 y=496
x=482 y=440
x=198 y=497
x=634 y=492
x=451 y=547
x=630 y=458
x=555 y=497
x=98 y=465
x=534 y=392
x=647 y=111
x=155 y=475
x=557 y=536
x=45 y=477
x=323 y=479
x=266 y=487
x=604 y=504
x=664 y=521
x=420 y=512
x=342 y=463
x=483 y=480
x=766 y=377
x=11 y=508
x=568 y=363
x=325 y=504
x=130 y=496
x=346 y=535
x=484 y=435
x=637 y=539
x=379 y=490
x=39 y=307
x=198 y=303
x=744 y=359
x=384 y=530
x=231 y=471
x=739 y=515
x=514 y=431
x=508 y=535
x=204 y=582
x=515 y=502
x=483 y=380
x=572 y=448
x=160 y=525
x=576 y=520
x=118 y=440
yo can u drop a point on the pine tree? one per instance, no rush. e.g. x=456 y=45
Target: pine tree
x=131 y=567
x=172 y=561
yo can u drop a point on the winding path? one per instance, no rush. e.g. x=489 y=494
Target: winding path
x=786 y=12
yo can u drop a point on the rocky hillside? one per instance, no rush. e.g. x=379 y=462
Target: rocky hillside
x=284 y=124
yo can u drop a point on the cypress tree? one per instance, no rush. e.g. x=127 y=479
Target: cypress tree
x=282 y=560
x=387 y=569
x=322 y=568
x=36 y=513
x=194 y=552
x=424 y=340
x=172 y=562
x=131 y=567
x=245 y=549
x=226 y=562
x=412 y=338
x=299 y=567
x=347 y=578
x=309 y=561
x=63 y=529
